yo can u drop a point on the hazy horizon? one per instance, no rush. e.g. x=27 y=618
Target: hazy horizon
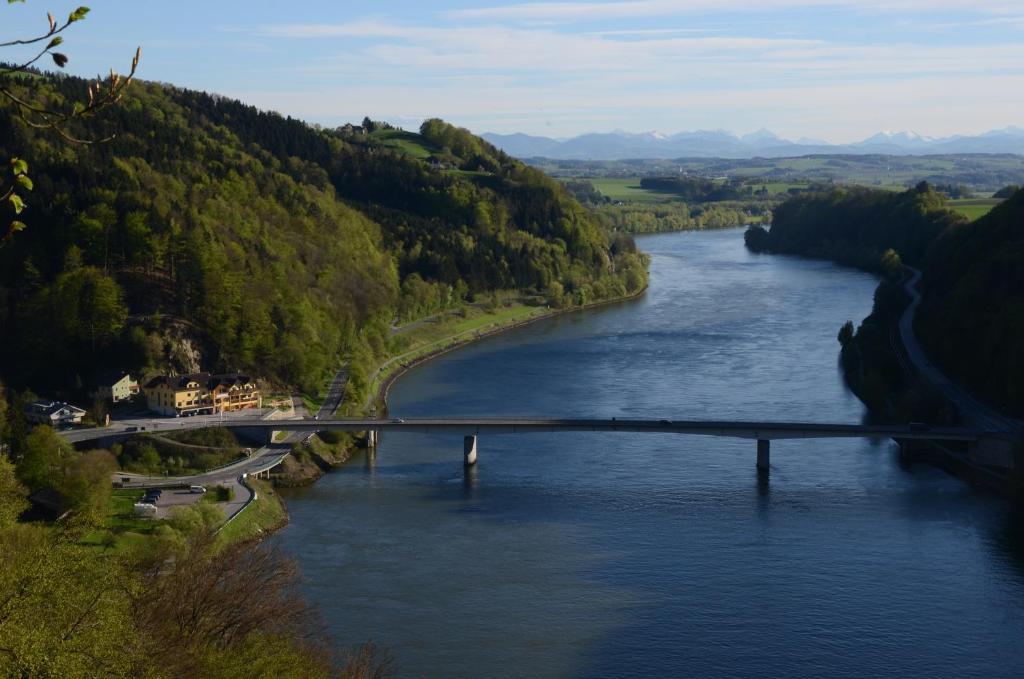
x=836 y=70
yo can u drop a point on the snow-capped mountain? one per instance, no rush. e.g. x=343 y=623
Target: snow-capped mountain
x=619 y=145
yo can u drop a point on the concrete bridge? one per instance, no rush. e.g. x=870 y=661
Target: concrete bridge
x=471 y=428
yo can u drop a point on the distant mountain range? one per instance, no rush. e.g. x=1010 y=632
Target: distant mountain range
x=763 y=143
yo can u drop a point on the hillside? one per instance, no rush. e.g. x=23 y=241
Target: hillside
x=972 y=312
x=209 y=233
x=857 y=226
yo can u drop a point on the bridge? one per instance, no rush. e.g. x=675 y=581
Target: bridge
x=471 y=428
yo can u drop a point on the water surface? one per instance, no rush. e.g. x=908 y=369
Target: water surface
x=620 y=555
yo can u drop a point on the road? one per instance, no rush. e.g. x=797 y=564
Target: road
x=229 y=475
x=975 y=413
x=335 y=394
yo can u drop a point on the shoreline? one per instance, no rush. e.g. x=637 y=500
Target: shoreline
x=379 y=399
x=959 y=464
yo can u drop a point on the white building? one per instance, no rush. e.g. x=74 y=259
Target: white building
x=57 y=414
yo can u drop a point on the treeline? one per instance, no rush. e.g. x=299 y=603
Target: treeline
x=647 y=218
x=856 y=226
x=698 y=189
x=672 y=216
x=209 y=232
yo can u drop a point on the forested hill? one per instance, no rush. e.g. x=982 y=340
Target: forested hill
x=856 y=226
x=210 y=233
x=972 y=315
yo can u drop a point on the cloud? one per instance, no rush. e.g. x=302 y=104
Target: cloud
x=841 y=111
x=518 y=67
x=353 y=29
x=589 y=11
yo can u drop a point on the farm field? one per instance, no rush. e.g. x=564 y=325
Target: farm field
x=973 y=208
x=982 y=173
x=627 y=190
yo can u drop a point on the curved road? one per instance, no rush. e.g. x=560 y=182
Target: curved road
x=974 y=412
x=230 y=475
x=262 y=459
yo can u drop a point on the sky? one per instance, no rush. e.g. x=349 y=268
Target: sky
x=837 y=70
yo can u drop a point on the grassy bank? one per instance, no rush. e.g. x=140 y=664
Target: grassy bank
x=260 y=517
x=446 y=333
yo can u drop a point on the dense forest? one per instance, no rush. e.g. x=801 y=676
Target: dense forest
x=857 y=226
x=207 y=233
x=972 y=313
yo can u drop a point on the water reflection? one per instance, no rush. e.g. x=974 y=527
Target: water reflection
x=623 y=555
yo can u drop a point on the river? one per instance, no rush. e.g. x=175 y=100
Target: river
x=623 y=555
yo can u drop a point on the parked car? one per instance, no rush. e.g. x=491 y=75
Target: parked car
x=197 y=489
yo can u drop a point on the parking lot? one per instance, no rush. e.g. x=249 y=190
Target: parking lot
x=174 y=497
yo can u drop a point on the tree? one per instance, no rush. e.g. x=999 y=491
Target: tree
x=64 y=612
x=4 y=434
x=846 y=333
x=86 y=486
x=45 y=459
x=87 y=305
x=236 y=612
x=892 y=265
x=12 y=494
x=46 y=115
x=1007 y=191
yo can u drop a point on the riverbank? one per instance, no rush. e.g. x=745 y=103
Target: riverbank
x=313 y=458
x=265 y=514
x=392 y=369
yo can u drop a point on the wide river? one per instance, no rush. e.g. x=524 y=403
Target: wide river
x=623 y=555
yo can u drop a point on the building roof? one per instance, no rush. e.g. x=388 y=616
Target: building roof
x=204 y=379
x=110 y=377
x=229 y=380
x=50 y=407
x=178 y=381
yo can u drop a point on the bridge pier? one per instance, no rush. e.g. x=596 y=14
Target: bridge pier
x=371 y=438
x=469 y=450
x=763 y=453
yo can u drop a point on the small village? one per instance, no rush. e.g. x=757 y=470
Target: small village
x=166 y=395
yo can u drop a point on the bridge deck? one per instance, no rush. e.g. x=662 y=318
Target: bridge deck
x=470 y=426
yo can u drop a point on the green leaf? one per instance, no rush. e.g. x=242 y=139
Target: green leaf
x=78 y=14
x=16 y=202
x=17 y=226
x=53 y=43
x=19 y=166
x=59 y=59
x=24 y=182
